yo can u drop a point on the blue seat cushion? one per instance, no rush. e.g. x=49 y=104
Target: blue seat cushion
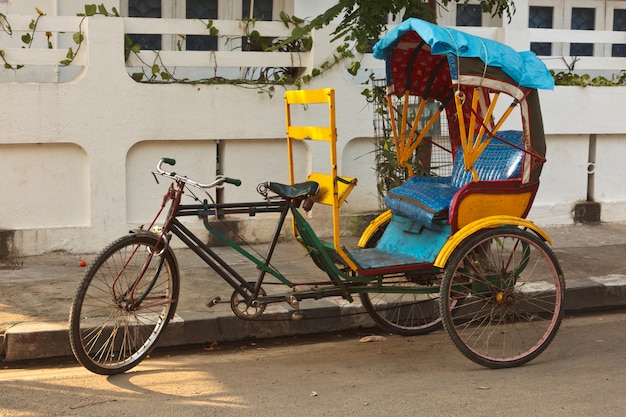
x=426 y=199
x=498 y=161
x=422 y=199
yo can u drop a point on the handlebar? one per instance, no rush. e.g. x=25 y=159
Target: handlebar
x=217 y=182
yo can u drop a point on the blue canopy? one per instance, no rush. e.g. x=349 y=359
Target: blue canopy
x=523 y=67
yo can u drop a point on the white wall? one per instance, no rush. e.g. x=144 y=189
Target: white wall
x=78 y=154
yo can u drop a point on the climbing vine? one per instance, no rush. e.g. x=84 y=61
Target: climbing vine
x=356 y=33
x=28 y=38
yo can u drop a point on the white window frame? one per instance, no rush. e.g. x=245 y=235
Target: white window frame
x=598 y=5
x=610 y=8
x=557 y=22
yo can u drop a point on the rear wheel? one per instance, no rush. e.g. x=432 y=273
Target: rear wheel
x=513 y=290
x=123 y=304
x=404 y=313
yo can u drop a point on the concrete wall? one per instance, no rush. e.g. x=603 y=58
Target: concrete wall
x=77 y=155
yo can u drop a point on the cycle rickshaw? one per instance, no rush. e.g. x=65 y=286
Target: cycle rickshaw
x=452 y=250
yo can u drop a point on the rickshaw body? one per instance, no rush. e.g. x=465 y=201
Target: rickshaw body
x=453 y=249
x=487 y=93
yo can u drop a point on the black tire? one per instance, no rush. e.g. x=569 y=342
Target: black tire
x=111 y=328
x=513 y=291
x=407 y=314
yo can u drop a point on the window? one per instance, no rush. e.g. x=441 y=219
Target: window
x=619 y=24
x=469 y=15
x=541 y=17
x=201 y=9
x=263 y=9
x=583 y=18
x=145 y=8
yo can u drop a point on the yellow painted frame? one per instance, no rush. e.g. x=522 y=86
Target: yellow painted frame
x=478 y=205
x=406 y=141
x=484 y=223
x=474 y=145
x=381 y=219
x=333 y=190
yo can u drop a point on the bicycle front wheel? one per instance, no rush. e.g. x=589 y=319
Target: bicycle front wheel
x=512 y=289
x=123 y=304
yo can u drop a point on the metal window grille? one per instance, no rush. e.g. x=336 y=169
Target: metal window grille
x=541 y=17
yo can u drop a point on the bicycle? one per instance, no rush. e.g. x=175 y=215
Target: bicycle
x=440 y=256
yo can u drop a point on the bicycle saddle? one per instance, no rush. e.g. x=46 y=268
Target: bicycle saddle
x=298 y=190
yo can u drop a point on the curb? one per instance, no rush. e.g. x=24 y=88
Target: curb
x=37 y=340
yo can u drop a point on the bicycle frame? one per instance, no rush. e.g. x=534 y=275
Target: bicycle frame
x=340 y=283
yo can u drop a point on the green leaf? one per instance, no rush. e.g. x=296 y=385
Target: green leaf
x=298 y=32
x=307 y=44
x=5 y=25
x=136 y=48
x=90 y=9
x=26 y=38
x=285 y=18
x=102 y=10
x=70 y=54
x=354 y=68
x=66 y=62
x=78 y=38
x=115 y=12
x=166 y=76
x=155 y=69
x=137 y=76
x=7 y=66
x=214 y=31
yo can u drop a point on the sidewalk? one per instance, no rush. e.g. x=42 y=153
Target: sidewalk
x=35 y=299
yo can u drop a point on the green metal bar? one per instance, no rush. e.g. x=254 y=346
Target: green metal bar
x=319 y=253
x=261 y=264
x=422 y=289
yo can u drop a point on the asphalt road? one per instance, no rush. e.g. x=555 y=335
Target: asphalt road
x=582 y=373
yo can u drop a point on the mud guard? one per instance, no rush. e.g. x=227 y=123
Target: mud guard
x=373 y=227
x=485 y=223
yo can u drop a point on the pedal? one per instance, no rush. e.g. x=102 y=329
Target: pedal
x=211 y=302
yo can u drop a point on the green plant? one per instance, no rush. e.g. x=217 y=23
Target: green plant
x=264 y=79
x=363 y=21
x=29 y=37
x=584 y=80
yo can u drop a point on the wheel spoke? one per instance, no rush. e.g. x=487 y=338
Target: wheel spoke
x=514 y=300
x=110 y=332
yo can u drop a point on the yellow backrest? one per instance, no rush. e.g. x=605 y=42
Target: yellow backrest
x=333 y=189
